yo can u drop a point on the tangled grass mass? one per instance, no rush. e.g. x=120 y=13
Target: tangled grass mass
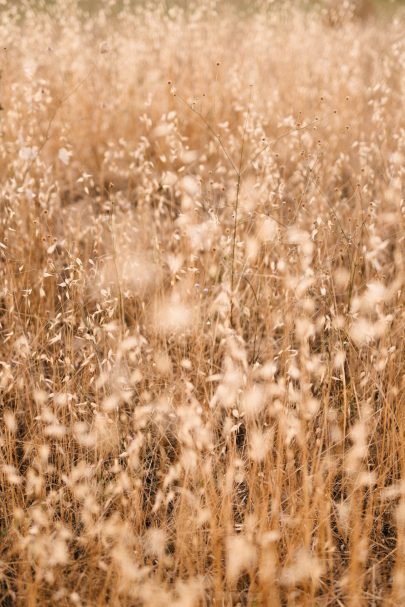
x=202 y=268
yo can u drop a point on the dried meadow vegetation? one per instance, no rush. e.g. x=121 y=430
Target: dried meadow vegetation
x=202 y=374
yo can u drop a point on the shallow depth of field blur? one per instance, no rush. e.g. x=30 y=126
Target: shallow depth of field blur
x=202 y=274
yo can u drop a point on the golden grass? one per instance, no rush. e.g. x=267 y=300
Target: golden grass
x=202 y=351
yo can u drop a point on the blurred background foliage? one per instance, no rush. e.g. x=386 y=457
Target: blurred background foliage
x=243 y=6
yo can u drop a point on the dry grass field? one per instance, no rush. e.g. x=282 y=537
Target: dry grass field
x=202 y=268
